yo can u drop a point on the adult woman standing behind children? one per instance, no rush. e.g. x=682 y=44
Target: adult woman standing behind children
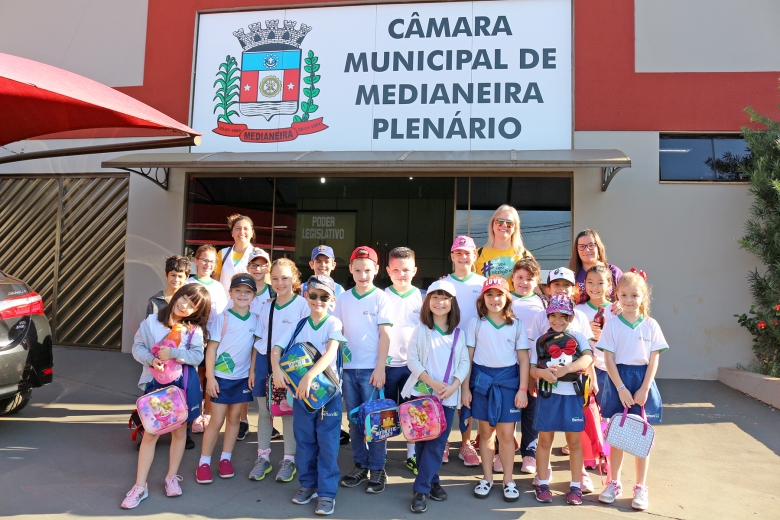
x=504 y=245
x=587 y=251
x=234 y=259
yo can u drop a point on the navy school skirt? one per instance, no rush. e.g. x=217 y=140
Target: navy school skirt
x=633 y=376
x=559 y=413
x=479 y=402
x=193 y=391
x=233 y=391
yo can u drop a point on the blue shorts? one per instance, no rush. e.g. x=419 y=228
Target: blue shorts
x=601 y=378
x=479 y=402
x=193 y=390
x=233 y=391
x=559 y=413
x=632 y=376
x=261 y=376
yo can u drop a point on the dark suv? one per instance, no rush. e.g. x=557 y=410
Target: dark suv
x=26 y=360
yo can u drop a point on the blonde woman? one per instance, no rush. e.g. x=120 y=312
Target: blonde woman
x=504 y=246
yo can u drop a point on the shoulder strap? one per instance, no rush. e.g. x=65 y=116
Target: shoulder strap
x=224 y=326
x=479 y=252
x=476 y=331
x=227 y=252
x=452 y=354
x=270 y=329
x=297 y=331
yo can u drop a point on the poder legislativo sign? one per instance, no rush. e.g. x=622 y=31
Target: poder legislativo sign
x=441 y=76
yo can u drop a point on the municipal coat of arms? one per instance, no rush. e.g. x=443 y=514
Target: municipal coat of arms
x=268 y=84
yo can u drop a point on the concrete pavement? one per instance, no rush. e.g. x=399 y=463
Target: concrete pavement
x=69 y=455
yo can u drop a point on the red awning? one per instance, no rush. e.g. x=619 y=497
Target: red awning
x=38 y=101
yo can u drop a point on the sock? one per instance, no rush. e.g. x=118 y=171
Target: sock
x=264 y=454
x=574 y=484
x=544 y=482
x=245 y=422
x=409 y=450
x=204 y=460
x=289 y=457
x=225 y=456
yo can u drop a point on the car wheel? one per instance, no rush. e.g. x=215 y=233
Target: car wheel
x=15 y=403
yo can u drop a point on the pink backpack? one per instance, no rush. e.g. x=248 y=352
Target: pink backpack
x=423 y=418
x=163 y=410
x=593 y=445
x=171 y=368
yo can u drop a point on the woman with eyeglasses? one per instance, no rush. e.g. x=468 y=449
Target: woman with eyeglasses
x=588 y=251
x=504 y=246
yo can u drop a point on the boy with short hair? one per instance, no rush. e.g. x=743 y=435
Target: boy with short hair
x=405 y=304
x=177 y=270
x=323 y=261
x=364 y=312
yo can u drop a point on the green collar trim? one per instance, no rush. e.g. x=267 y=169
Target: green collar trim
x=462 y=280
x=436 y=327
x=632 y=325
x=237 y=315
x=491 y=322
x=276 y=305
x=359 y=296
x=265 y=289
x=595 y=307
x=204 y=282
x=404 y=295
x=523 y=297
x=317 y=327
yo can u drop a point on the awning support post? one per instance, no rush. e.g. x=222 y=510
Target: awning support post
x=159 y=176
x=607 y=174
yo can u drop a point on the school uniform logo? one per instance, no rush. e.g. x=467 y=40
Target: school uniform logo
x=268 y=84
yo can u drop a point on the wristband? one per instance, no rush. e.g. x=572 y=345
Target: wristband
x=523 y=389
x=621 y=387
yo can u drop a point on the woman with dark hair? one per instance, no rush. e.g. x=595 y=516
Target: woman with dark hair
x=588 y=250
x=234 y=259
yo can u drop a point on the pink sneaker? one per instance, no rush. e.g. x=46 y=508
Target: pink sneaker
x=203 y=474
x=468 y=454
x=497 y=466
x=172 y=487
x=197 y=425
x=529 y=465
x=226 y=469
x=446 y=458
x=134 y=497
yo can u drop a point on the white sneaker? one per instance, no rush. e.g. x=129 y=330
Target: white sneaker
x=641 y=499
x=586 y=484
x=613 y=491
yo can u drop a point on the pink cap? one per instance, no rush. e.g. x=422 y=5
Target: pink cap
x=463 y=242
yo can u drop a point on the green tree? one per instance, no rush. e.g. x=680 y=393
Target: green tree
x=762 y=238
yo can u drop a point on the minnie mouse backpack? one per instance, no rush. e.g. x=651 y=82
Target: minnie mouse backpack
x=559 y=349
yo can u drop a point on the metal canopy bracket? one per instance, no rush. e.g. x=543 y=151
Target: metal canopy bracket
x=607 y=174
x=157 y=175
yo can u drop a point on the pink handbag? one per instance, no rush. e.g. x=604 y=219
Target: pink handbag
x=163 y=410
x=630 y=433
x=171 y=368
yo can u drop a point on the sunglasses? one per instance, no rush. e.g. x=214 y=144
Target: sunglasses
x=322 y=297
x=503 y=222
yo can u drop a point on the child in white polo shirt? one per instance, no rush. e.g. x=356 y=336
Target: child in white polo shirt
x=405 y=304
x=364 y=311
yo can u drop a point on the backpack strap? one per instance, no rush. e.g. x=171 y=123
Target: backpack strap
x=227 y=252
x=298 y=329
x=452 y=354
x=268 y=347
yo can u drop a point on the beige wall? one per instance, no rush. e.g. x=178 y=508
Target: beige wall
x=683 y=236
x=707 y=36
x=104 y=40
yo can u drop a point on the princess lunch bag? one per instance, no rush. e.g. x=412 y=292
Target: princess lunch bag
x=377 y=419
x=559 y=349
x=297 y=359
x=423 y=418
x=163 y=410
x=631 y=433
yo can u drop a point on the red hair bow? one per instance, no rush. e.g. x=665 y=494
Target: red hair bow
x=569 y=349
x=639 y=272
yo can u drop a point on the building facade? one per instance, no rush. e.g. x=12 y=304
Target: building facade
x=405 y=124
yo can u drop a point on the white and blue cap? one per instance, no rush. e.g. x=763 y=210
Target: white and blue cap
x=562 y=273
x=443 y=285
x=322 y=282
x=322 y=250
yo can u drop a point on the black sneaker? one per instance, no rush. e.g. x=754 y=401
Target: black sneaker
x=243 y=429
x=355 y=477
x=344 y=438
x=377 y=481
x=189 y=444
x=419 y=504
x=437 y=492
x=276 y=434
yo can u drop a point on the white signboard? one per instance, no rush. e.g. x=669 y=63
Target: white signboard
x=439 y=76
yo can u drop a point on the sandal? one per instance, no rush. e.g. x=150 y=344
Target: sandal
x=483 y=489
x=511 y=494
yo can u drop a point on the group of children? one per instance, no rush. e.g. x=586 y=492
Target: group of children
x=487 y=353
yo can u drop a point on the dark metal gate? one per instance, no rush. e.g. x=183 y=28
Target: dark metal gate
x=65 y=237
